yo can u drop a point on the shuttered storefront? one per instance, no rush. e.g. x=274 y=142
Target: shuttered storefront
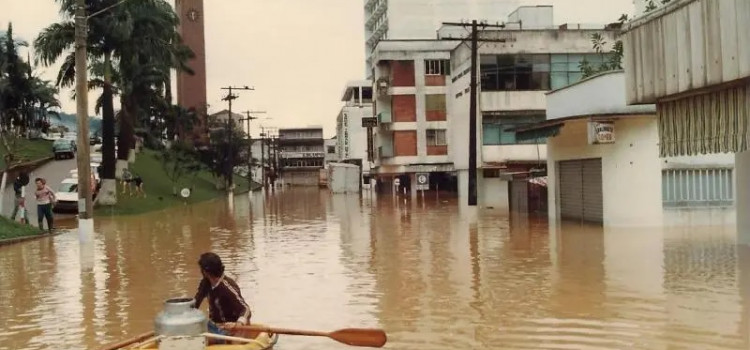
x=581 y=190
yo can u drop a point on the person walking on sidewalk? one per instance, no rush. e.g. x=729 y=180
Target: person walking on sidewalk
x=45 y=199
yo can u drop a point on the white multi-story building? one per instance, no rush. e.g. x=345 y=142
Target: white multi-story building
x=419 y=19
x=422 y=103
x=351 y=136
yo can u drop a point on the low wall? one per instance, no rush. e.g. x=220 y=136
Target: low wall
x=343 y=178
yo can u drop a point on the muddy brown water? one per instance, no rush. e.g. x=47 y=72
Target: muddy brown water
x=306 y=259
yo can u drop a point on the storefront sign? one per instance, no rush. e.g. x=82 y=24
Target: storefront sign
x=601 y=132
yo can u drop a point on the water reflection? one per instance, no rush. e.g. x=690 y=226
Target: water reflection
x=421 y=270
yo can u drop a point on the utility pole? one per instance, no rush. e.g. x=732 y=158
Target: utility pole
x=262 y=156
x=230 y=156
x=85 y=195
x=473 y=117
x=250 y=143
x=474 y=39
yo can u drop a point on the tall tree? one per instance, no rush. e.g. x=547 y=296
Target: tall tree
x=134 y=45
x=105 y=32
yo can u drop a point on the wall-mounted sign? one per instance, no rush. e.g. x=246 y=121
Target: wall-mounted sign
x=423 y=181
x=369 y=122
x=601 y=132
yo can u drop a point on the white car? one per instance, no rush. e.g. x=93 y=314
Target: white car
x=74 y=172
x=67 y=195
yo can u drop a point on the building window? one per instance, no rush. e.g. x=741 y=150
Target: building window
x=515 y=72
x=499 y=130
x=435 y=109
x=566 y=68
x=688 y=188
x=331 y=149
x=436 y=137
x=491 y=173
x=437 y=67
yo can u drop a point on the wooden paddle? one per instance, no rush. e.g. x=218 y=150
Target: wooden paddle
x=369 y=337
x=130 y=341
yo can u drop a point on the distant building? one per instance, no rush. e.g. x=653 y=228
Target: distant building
x=331 y=151
x=302 y=153
x=419 y=19
x=351 y=135
x=219 y=119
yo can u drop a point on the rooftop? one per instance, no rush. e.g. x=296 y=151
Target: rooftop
x=351 y=86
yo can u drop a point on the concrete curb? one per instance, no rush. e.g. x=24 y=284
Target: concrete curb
x=10 y=241
x=28 y=166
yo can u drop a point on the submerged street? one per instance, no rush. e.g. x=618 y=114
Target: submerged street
x=311 y=260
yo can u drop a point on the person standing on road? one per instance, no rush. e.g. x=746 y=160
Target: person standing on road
x=45 y=198
x=18 y=185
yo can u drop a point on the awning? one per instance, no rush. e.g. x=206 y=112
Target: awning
x=715 y=122
x=550 y=128
x=538 y=131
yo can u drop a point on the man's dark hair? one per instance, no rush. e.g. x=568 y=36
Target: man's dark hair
x=211 y=263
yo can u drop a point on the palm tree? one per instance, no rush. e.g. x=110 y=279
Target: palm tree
x=105 y=33
x=133 y=47
x=145 y=64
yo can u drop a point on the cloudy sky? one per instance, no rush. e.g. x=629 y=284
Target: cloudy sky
x=298 y=54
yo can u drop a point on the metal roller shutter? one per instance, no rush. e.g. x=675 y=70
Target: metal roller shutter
x=592 y=190
x=581 y=190
x=571 y=189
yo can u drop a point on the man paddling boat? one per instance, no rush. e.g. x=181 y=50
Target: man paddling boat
x=226 y=306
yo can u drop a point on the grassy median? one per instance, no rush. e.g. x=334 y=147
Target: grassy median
x=10 y=229
x=159 y=188
x=28 y=150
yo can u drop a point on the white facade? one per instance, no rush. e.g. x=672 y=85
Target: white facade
x=419 y=19
x=351 y=137
x=690 y=53
x=509 y=105
x=633 y=176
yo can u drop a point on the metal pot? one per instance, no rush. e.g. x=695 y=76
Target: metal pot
x=179 y=318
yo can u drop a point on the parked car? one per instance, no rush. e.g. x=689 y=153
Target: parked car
x=63 y=148
x=95 y=140
x=67 y=196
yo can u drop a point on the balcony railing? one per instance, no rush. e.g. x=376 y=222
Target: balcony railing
x=309 y=154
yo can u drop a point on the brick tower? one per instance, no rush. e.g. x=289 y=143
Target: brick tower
x=191 y=89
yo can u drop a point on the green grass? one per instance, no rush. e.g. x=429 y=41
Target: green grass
x=28 y=150
x=159 y=188
x=10 y=229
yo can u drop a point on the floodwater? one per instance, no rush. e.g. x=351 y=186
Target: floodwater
x=306 y=259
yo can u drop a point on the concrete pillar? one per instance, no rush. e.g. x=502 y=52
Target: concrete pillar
x=413 y=186
x=742 y=176
x=743 y=271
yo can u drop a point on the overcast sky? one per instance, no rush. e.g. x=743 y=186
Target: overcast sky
x=298 y=54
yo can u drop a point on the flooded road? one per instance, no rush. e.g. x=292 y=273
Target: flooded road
x=306 y=259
